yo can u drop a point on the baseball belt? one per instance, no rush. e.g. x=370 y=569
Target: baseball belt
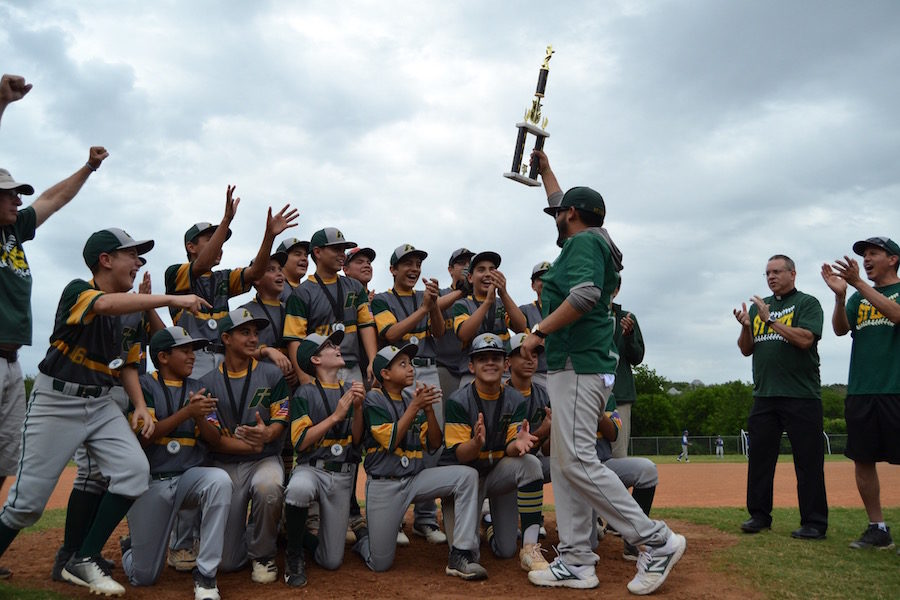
x=82 y=391
x=334 y=467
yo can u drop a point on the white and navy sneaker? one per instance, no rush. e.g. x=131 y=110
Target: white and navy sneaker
x=431 y=533
x=559 y=574
x=655 y=564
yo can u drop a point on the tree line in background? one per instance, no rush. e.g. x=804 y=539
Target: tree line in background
x=719 y=409
x=666 y=408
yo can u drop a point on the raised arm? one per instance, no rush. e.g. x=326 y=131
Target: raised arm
x=12 y=89
x=207 y=258
x=274 y=226
x=61 y=193
x=551 y=186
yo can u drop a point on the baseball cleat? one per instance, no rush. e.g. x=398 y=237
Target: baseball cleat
x=432 y=534
x=531 y=558
x=205 y=588
x=87 y=572
x=559 y=574
x=59 y=563
x=463 y=565
x=655 y=564
x=182 y=559
x=263 y=571
x=294 y=569
x=874 y=537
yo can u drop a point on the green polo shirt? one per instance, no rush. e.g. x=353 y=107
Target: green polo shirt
x=15 y=280
x=876 y=346
x=585 y=260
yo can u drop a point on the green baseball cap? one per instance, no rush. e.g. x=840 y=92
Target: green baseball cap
x=287 y=245
x=459 y=255
x=487 y=342
x=311 y=345
x=172 y=337
x=8 y=183
x=401 y=252
x=236 y=318
x=279 y=256
x=883 y=242
x=582 y=198
x=110 y=240
x=388 y=354
x=330 y=236
x=199 y=228
x=539 y=269
x=486 y=255
x=515 y=342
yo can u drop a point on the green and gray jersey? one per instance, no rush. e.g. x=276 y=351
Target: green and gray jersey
x=503 y=415
x=15 y=279
x=216 y=287
x=448 y=348
x=313 y=403
x=391 y=307
x=322 y=305
x=85 y=347
x=182 y=448
x=780 y=368
x=876 y=346
x=387 y=454
x=532 y=312
x=536 y=400
x=259 y=389
x=585 y=260
x=496 y=322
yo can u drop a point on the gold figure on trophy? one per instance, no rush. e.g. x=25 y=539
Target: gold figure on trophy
x=535 y=124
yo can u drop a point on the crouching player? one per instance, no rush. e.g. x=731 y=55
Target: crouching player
x=399 y=428
x=185 y=423
x=253 y=413
x=326 y=422
x=635 y=472
x=486 y=428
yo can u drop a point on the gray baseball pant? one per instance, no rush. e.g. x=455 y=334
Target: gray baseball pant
x=425 y=513
x=12 y=414
x=332 y=490
x=634 y=472
x=87 y=472
x=620 y=446
x=500 y=487
x=55 y=425
x=152 y=516
x=582 y=484
x=260 y=484
x=388 y=499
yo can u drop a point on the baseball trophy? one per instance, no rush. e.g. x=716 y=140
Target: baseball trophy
x=535 y=125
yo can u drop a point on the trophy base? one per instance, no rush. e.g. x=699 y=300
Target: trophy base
x=522 y=179
x=533 y=129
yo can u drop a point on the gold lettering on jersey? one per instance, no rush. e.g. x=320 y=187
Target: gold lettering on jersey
x=12 y=257
x=867 y=315
x=764 y=333
x=260 y=395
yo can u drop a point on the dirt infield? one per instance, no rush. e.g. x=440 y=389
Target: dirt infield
x=418 y=569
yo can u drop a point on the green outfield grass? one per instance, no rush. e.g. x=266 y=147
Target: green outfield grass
x=782 y=567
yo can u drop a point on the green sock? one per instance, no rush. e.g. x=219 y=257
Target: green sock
x=110 y=512
x=80 y=514
x=295 y=520
x=644 y=498
x=531 y=501
x=7 y=535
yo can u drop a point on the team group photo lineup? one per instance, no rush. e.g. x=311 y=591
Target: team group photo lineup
x=336 y=390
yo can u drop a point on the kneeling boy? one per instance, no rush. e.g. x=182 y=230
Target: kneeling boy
x=399 y=427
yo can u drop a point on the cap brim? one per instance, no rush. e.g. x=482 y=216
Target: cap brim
x=486 y=350
x=465 y=256
x=860 y=247
x=335 y=338
x=281 y=257
x=141 y=246
x=212 y=228
x=483 y=256
x=367 y=252
x=22 y=188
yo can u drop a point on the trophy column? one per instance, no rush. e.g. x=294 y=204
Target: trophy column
x=533 y=124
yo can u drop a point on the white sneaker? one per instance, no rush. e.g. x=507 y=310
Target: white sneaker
x=205 y=588
x=88 y=573
x=655 y=564
x=432 y=534
x=183 y=559
x=559 y=574
x=264 y=571
x=531 y=558
x=402 y=539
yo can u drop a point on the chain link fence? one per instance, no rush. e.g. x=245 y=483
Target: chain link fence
x=734 y=444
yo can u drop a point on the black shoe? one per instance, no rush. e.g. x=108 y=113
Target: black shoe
x=59 y=563
x=294 y=569
x=873 y=537
x=808 y=532
x=5 y=573
x=754 y=525
x=205 y=588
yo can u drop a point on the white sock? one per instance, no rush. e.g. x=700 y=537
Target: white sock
x=530 y=536
x=881 y=525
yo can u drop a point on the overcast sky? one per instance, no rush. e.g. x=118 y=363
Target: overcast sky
x=719 y=133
